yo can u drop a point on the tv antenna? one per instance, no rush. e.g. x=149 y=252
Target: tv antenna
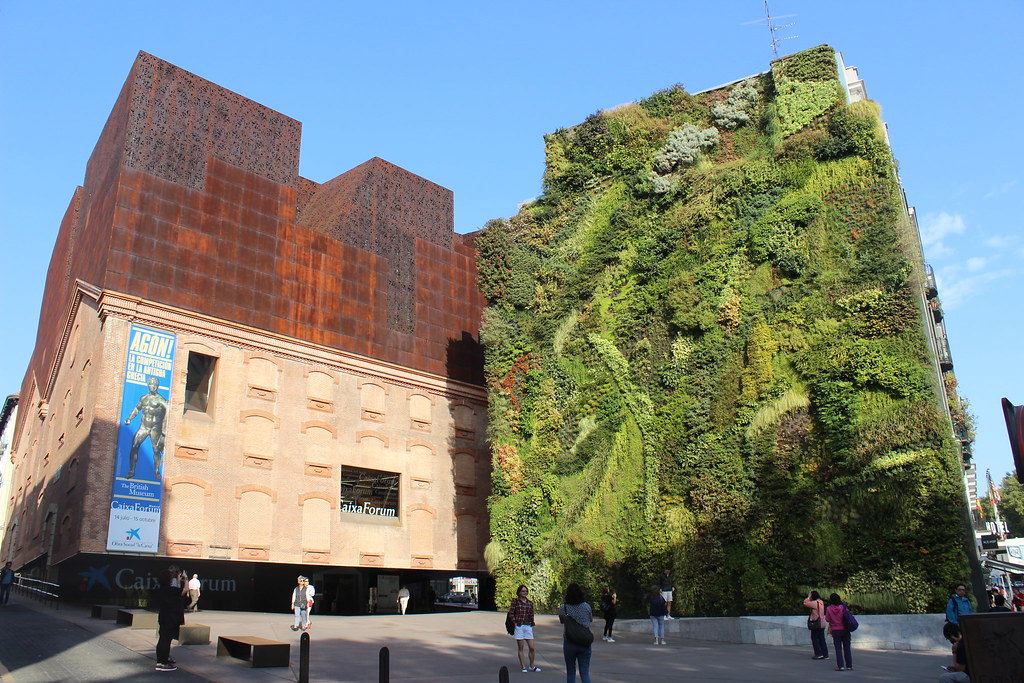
x=773 y=28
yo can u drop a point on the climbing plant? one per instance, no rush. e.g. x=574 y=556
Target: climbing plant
x=704 y=351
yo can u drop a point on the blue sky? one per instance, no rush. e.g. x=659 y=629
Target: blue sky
x=462 y=93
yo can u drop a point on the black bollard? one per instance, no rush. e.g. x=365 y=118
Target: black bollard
x=503 y=675
x=385 y=665
x=304 y=658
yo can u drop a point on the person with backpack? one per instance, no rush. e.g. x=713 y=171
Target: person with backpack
x=520 y=617
x=609 y=609
x=958 y=604
x=841 y=623
x=576 y=615
x=816 y=624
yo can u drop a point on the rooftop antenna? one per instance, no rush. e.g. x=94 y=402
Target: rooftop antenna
x=773 y=29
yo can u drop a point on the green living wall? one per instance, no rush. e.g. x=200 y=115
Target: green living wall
x=704 y=351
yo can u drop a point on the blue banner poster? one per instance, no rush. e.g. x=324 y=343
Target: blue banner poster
x=138 y=466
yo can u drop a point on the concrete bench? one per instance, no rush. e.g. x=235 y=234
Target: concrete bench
x=260 y=652
x=136 y=618
x=194 y=634
x=105 y=611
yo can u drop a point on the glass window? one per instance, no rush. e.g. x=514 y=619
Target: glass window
x=369 y=492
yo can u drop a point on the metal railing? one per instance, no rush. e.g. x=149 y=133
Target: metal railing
x=44 y=591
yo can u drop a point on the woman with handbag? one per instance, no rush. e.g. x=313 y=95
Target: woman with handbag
x=520 y=617
x=835 y=615
x=576 y=614
x=609 y=608
x=816 y=624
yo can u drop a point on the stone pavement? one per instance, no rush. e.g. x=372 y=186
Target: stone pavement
x=36 y=646
x=424 y=647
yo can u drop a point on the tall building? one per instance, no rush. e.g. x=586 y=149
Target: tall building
x=247 y=373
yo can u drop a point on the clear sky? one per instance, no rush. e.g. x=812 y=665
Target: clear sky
x=462 y=93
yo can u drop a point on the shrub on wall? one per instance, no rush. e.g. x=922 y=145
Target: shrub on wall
x=725 y=375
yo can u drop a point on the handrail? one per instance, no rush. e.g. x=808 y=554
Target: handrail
x=37 y=591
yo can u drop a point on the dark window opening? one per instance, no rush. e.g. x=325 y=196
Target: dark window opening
x=199 y=381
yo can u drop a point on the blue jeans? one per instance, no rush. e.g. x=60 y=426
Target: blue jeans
x=659 y=626
x=841 y=641
x=5 y=593
x=576 y=654
x=301 y=617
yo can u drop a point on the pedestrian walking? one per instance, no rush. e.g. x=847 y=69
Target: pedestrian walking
x=609 y=610
x=659 y=609
x=403 y=599
x=839 y=626
x=667 y=587
x=957 y=671
x=577 y=638
x=958 y=604
x=194 y=588
x=6 y=581
x=520 y=611
x=816 y=624
x=302 y=603
x=170 y=598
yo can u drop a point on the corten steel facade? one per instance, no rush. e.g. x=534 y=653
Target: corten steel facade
x=342 y=318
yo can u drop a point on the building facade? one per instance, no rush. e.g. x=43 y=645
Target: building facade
x=247 y=373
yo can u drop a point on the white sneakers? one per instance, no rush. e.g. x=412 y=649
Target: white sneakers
x=608 y=639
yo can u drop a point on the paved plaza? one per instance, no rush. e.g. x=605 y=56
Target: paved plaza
x=39 y=644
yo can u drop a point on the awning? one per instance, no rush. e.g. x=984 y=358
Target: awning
x=1009 y=567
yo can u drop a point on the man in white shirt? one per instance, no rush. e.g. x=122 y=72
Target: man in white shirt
x=194 y=585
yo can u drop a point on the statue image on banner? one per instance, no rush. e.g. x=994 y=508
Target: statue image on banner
x=153 y=407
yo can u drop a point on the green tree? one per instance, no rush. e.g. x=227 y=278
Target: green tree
x=1012 y=506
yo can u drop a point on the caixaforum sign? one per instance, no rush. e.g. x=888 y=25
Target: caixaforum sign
x=367 y=508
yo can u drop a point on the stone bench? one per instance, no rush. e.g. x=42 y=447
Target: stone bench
x=260 y=652
x=105 y=611
x=194 y=634
x=136 y=618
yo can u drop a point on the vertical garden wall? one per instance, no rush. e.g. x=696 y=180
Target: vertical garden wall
x=704 y=351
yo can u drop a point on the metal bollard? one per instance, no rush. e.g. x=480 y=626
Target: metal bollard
x=304 y=658
x=503 y=675
x=385 y=665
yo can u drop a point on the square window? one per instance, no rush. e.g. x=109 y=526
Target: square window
x=369 y=492
x=199 y=382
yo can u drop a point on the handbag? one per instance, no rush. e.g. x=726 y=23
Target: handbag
x=849 y=621
x=815 y=624
x=577 y=633
x=510 y=625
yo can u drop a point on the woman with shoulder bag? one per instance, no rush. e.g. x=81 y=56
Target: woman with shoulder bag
x=609 y=608
x=520 y=614
x=576 y=614
x=816 y=624
x=838 y=626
